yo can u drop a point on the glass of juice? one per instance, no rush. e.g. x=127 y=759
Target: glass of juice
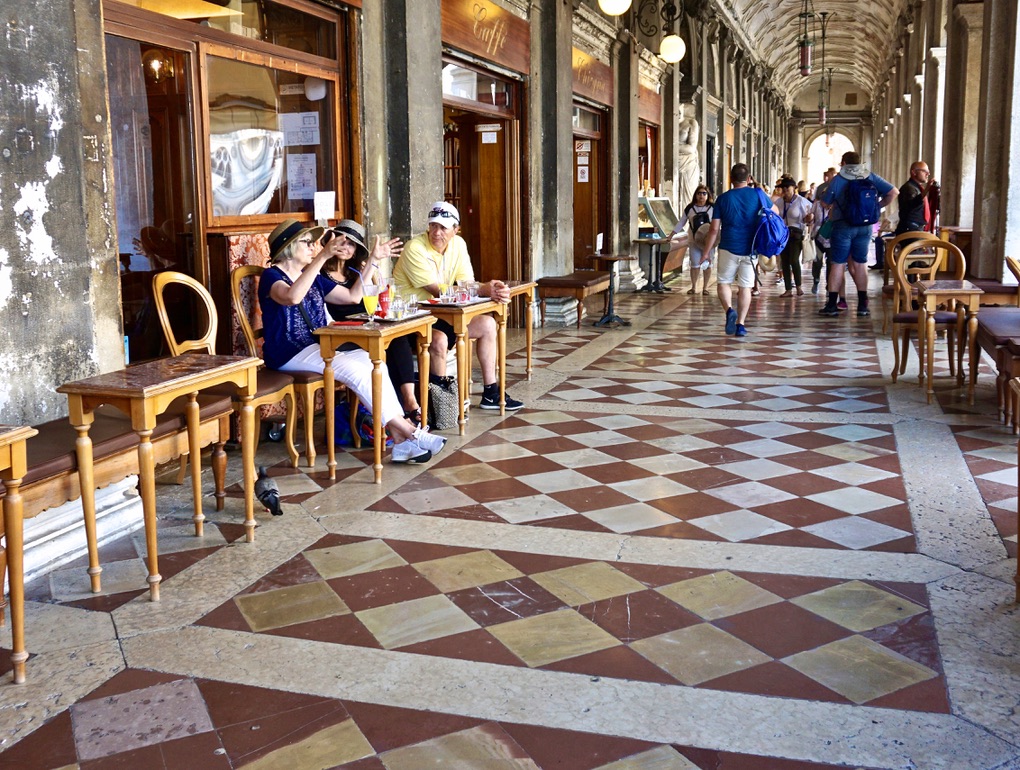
x=371 y=300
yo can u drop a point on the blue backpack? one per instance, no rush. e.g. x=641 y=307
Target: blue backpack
x=772 y=234
x=862 y=202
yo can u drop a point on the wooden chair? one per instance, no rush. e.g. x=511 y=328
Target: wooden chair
x=920 y=261
x=892 y=248
x=1014 y=267
x=306 y=384
x=272 y=386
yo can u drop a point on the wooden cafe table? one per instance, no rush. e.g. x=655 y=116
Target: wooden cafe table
x=13 y=466
x=143 y=392
x=374 y=341
x=967 y=297
x=526 y=289
x=459 y=315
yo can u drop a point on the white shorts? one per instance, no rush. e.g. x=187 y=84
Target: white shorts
x=735 y=269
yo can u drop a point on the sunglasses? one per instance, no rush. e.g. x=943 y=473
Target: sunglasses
x=306 y=241
x=441 y=213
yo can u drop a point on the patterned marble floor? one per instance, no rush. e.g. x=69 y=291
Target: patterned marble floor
x=688 y=552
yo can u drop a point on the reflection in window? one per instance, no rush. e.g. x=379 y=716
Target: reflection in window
x=269 y=139
x=254 y=19
x=464 y=83
x=586 y=120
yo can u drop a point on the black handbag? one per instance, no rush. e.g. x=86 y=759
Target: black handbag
x=443 y=397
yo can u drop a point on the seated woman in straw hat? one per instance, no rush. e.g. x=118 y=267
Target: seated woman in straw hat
x=293 y=295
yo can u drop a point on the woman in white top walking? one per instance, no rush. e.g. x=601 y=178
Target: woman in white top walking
x=699 y=214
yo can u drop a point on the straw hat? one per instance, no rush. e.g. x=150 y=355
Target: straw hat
x=286 y=233
x=701 y=236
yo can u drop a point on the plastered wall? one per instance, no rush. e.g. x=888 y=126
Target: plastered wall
x=59 y=279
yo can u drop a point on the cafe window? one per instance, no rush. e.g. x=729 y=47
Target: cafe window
x=586 y=120
x=270 y=132
x=464 y=84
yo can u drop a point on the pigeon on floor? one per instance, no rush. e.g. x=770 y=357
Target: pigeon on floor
x=268 y=493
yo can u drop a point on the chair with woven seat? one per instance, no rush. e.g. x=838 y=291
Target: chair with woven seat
x=306 y=384
x=920 y=261
x=271 y=387
x=892 y=249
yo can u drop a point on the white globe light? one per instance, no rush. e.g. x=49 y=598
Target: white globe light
x=614 y=7
x=672 y=48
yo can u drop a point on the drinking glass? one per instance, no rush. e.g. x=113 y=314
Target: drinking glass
x=411 y=304
x=444 y=289
x=371 y=300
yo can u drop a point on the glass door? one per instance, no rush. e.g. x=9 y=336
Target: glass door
x=154 y=178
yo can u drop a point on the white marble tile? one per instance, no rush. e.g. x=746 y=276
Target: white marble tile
x=853 y=500
x=855 y=532
x=756 y=470
x=493 y=452
x=523 y=433
x=765 y=448
x=618 y=421
x=557 y=481
x=783 y=391
x=709 y=401
x=522 y=510
x=181 y=537
x=428 y=500
x=651 y=489
x=1006 y=476
x=739 y=525
x=601 y=438
x=645 y=398
x=681 y=444
x=778 y=404
x=854 y=474
x=750 y=494
x=631 y=518
x=667 y=463
x=73 y=583
x=774 y=429
x=582 y=458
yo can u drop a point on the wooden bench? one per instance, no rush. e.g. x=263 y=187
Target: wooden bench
x=997 y=328
x=51 y=477
x=579 y=284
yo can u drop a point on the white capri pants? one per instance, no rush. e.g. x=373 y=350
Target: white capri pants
x=354 y=369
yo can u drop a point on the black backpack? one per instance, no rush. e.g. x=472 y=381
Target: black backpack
x=698 y=219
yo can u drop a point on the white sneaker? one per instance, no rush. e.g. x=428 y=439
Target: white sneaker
x=429 y=441
x=410 y=451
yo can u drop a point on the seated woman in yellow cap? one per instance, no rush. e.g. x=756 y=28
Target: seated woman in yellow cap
x=293 y=295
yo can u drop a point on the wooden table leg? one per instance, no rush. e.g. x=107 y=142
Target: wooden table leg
x=462 y=375
x=248 y=465
x=147 y=486
x=529 y=332
x=922 y=325
x=501 y=357
x=87 y=485
x=15 y=537
x=191 y=415
x=424 y=361
x=972 y=326
x=929 y=338
x=961 y=327
x=329 y=396
x=377 y=426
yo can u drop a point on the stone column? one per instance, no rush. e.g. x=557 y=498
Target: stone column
x=867 y=143
x=917 y=127
x=623 y=177
x=60 y=316
x=551 y=143
x=402 y=75
x=997 y=199
x=795 y=145
x=963 y=89
x=934 y=110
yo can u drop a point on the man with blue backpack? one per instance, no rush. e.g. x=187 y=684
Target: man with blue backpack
x=855 y=198
x=738 y=212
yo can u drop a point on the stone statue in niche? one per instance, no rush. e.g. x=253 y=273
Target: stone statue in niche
x=689 y=165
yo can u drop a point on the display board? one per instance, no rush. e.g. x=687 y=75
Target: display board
x=659 y=211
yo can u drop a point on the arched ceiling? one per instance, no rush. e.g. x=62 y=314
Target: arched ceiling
x=859 y=36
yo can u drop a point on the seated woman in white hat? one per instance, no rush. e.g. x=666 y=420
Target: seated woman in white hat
x=293 y=295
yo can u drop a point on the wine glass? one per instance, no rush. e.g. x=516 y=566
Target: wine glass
x=371 y=300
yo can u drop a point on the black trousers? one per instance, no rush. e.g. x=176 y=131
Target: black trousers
x=791 y=258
